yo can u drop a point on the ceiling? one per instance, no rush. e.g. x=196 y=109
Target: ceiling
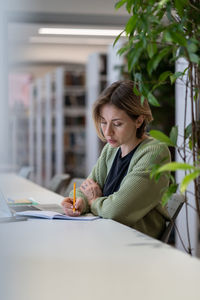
x=27 y=48
x=26 y=45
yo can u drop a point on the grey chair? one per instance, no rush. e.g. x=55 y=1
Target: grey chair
x=59 y=182
x=174 y=206
x=25 y=171
x=70 y=186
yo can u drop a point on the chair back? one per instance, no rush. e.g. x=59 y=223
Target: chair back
x=59 y=182
x=25 y=171
x=173 y=206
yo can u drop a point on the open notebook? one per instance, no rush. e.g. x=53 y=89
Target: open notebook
x=47 y=214
x=48 y=211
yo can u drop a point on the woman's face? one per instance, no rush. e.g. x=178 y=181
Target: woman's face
x=118 y=128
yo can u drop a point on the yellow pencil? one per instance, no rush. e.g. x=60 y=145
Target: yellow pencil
x=74 y=199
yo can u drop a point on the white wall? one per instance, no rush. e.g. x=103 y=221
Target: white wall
x=4 y=138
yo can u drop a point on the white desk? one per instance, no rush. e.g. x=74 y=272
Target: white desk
x=101 y=259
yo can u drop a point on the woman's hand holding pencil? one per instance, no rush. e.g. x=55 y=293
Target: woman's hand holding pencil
x=73 y=206
x=73 y=209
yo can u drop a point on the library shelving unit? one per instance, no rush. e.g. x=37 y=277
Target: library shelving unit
x=102 y=70
x=57 y=124
x=70 y=116
x=19 y=135
x=18 y=119
x=62 y=136
x=36 y=130
x=96 y=81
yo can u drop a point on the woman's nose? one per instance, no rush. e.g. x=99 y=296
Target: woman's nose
x=108 y=130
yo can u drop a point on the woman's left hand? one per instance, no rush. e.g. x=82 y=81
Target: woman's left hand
x=91 y=190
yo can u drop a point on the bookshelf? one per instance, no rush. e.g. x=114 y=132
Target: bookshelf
x=19 y=135
x=70 y=112
x=62 y=136
x=101 y=71
x=95 y=82
x=36 y=130
x=57 y=124
x=18 y=119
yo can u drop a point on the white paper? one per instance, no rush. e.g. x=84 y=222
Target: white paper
x=54 y=215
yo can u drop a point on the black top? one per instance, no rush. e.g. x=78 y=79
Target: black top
x=117 y=172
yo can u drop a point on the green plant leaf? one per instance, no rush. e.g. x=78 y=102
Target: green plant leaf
x=164 y=75
x=196 y=94
x=194 y=58
x=188 y=130
x=190 y=143
x=134 y=56
x=161 y=3
x=130 y=26
x=174 y=134
x=142 y=99
x=129 y=5
x=167 y=36
x=161 y=137
x=179 y=5
x=176 y=75
x=145 y=90
x=122 y=50
x=192 y=47
x=152 y=49
x=119 y=4
x=174 y=166
x=152 y=100
x=156 y=86
x=135 y=90
x=154 y=62
x=168 y=193
x=117 y=38
x=187 y=179
x=153 y=172
x=178 y=38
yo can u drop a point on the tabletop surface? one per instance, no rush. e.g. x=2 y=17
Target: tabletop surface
x=101 y=259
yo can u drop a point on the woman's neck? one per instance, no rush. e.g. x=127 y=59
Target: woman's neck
x=125 y=149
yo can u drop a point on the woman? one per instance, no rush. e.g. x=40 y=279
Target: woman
x=119 y=186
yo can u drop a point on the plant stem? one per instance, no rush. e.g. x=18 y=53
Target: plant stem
x=184 y=159
x=193 y=137
x=188 y=250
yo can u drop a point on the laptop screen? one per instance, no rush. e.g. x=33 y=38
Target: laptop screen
x=4 y=208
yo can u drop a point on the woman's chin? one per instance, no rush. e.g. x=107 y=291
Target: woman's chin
x=113 y=144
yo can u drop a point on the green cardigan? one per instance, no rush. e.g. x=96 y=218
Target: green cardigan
x=138 y=201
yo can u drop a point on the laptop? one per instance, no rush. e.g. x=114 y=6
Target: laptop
x=6 y=213
x=24 y=207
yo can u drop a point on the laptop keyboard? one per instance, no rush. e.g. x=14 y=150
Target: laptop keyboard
x=52 y=207
x=18 y=208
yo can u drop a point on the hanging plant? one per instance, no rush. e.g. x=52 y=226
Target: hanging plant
x=157 y=30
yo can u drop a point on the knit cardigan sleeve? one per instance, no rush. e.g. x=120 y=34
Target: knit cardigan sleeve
x=138 y=194
x=98 y=173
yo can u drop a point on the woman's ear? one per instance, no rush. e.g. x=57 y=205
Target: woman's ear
x=139 y=121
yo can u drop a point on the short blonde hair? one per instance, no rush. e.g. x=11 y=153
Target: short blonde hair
x=121 y=95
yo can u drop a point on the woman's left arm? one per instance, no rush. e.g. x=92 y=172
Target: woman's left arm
x=91 y=188
x=138 y=194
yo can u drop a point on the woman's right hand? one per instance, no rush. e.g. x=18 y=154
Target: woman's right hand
x=67 y=205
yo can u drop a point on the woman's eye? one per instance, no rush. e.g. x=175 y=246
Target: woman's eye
x=117 y=124
x=103 y=123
